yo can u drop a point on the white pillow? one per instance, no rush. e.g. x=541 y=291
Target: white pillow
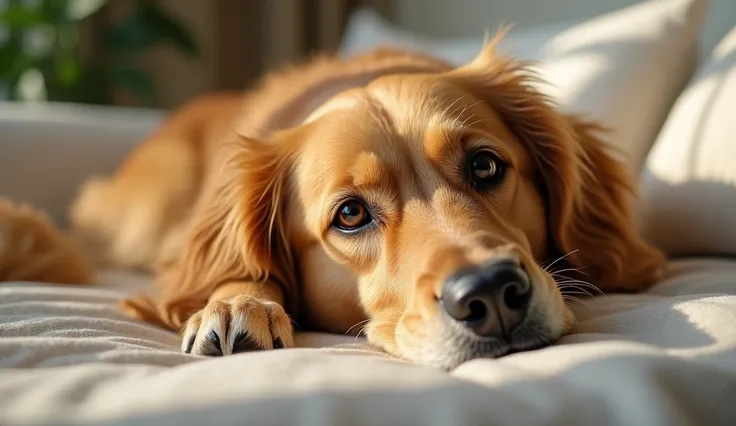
x=367 y=29
x=689 y=184
x=623 y=69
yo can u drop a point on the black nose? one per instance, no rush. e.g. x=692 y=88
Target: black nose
x=491 y=300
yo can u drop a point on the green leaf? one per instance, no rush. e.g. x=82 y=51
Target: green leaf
x=68 y=37
x=16 y=64
x=92 y=87
x=39 y=40
x=78 y=10
x=131 y=34
x=15 y=16
x=68 y=71
x=134 y=80
x=54 y=12
x=7 y=53
x=146 y=27
x=170 y=29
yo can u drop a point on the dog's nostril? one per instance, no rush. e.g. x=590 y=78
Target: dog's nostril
x=515 y=297
x=478 y=311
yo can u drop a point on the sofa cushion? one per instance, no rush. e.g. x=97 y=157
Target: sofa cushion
x=689 y=185
x=649 y=359
x=610 y=68
x=47 y=150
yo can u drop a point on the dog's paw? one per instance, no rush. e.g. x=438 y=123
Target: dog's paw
x=240 y=324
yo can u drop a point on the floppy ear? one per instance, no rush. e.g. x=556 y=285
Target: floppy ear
x=237 y=234
x=589 y=194
x=592 y=215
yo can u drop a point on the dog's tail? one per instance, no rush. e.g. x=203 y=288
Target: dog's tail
x=33 y=249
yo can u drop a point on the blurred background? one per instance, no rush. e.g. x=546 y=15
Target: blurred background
x=160 y=53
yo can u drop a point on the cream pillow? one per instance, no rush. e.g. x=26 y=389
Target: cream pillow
x=689 y=184
x=624 y=69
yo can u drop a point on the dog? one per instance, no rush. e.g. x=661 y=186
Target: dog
x=452 y=212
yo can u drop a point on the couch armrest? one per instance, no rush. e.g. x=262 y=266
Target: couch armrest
x=48 y=150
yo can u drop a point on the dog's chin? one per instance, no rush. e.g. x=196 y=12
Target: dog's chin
x=456 y=345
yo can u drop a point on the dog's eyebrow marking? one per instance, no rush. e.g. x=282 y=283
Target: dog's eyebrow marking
x=438 y=143
x=367 y=171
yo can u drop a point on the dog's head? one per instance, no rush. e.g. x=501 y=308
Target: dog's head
x=429 y=203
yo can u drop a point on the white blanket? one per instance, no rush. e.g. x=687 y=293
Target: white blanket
x=663 y=358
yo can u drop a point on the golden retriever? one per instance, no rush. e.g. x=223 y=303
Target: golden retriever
x=446 y=210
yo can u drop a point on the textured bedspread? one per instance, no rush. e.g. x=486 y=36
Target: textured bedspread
x=663 y=358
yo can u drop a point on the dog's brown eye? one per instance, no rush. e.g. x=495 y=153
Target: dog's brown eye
x=352 y=215
x=485 y=167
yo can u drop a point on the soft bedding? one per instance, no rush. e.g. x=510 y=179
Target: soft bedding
x=666 y=357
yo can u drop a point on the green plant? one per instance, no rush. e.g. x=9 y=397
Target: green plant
x=42 y=56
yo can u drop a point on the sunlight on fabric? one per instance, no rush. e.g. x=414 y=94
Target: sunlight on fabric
x=685 y=155
x=566 y=82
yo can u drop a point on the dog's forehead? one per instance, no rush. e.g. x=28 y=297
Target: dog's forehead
x=383 y=130
x=349 y=138
x=389 y=116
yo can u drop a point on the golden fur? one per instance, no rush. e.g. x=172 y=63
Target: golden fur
x=232 y=202
x=32 y=249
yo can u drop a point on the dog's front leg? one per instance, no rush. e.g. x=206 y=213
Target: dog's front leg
x=239 y=317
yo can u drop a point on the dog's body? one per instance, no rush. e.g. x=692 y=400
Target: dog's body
x=391 y=188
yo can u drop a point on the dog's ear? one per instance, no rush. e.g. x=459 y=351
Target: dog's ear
x=589 y=194
x=592 y=215
x=237 y=233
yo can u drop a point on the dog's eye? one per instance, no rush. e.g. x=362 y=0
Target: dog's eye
x=485 y=167
x=351 y=216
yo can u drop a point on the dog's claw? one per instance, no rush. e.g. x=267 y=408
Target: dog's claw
x=241 y=324
x=244 y=342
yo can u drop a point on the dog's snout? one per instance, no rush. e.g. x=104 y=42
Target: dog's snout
x=491 y=300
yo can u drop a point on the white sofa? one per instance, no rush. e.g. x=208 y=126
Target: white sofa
x=666 y=357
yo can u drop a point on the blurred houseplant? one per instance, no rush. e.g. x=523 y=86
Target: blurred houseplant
x=42 y=56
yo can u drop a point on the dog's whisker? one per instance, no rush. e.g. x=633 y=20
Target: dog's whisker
x=357 y=324
x=453 y=104
x=365 y=324
x=546 y=268
x=572 y=284
x=577 y=292
x=581 y=284
x=472 y=115
x=595 y=289
x=575 y=300
x=481 y=120
x=568 y=270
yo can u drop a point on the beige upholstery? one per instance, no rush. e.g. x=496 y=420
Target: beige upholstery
x=47 y=150
x=689 y=188
x=661 y=358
